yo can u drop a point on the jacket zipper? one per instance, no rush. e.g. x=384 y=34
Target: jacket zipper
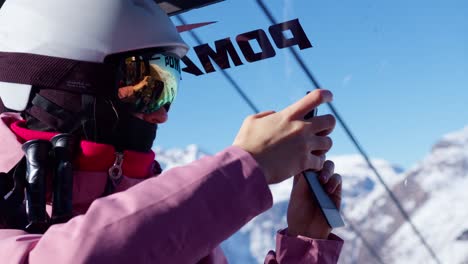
x=115 y=172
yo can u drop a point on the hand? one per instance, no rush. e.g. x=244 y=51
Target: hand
x=283 y=143
x=304 y=215
x=142 y=83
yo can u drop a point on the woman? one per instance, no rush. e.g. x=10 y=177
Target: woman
x=87 y=206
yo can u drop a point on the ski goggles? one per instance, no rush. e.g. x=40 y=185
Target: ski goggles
x=149 y=81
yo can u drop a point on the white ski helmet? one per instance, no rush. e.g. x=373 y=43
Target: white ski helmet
x=82 y=30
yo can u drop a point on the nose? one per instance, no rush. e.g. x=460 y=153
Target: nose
x=157 y=117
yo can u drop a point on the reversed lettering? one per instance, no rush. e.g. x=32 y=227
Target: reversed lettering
x=299 y=37
x=224 y=50
x=261 y=37
x=191 y=67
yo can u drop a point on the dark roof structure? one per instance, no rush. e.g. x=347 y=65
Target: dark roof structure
x=174 y=7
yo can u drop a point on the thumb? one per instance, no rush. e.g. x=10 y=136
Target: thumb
x=312 y=100
x=300 y=188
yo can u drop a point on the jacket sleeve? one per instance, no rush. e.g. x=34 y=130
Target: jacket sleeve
x=300 y=249
x=177 y=217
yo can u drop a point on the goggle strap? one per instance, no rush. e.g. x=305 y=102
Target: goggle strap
x=57 y=73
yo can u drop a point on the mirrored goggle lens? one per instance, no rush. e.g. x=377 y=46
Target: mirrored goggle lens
x=150 y=81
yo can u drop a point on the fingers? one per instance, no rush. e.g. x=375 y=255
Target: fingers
x=314 y=162
x=332 y=182
x=332 y=185
x=334 y=188
x=336 y=196
x=327 y=171
x=318 y=145
x=328 y=178
x=298 y=110
x=321 y=125
x=315 y=150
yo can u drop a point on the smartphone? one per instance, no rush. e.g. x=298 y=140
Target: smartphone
x=328 y=208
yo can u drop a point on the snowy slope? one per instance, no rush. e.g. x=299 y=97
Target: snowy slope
x=443 y=174
x=434 y=192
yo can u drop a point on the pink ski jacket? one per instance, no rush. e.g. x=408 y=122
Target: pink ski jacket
x=180 y=216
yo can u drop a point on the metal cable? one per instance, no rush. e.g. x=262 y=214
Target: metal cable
x=354 y=140
x=371 y=250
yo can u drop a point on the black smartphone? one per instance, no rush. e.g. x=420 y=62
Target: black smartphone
x=328 y=208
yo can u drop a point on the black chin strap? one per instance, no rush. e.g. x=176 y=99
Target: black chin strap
x=88 y=117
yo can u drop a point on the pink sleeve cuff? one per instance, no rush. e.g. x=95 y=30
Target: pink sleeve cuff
x=300 y=249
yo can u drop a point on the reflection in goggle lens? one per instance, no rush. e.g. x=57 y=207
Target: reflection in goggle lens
x=150 y=81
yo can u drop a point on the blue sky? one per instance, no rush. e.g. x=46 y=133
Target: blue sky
x=398 y=70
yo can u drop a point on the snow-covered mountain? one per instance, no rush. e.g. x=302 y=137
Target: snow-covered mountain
x=434 y=192
x=176 y=157
x=442 y=216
